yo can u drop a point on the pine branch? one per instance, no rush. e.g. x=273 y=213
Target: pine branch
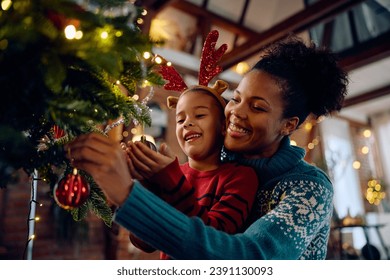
x=96 y=202
x=50 y=78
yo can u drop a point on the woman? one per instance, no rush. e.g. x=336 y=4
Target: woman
x=291 y=219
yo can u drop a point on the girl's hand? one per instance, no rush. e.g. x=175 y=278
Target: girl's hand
x=146 y=161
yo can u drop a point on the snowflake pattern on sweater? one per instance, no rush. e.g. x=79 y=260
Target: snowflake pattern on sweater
x=294 y=216
x=299 y=202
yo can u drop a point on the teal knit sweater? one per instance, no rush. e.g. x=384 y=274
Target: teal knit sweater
x=290 y=219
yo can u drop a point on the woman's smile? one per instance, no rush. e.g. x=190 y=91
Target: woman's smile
x=237 y=131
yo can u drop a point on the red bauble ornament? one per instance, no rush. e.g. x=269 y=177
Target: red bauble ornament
x=71 y=191
x=60 y=21
x=58 y=132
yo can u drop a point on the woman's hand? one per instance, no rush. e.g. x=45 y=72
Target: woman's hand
x=105 y=161
x=146 y=162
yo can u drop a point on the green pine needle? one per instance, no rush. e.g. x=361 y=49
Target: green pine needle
x=47 y=79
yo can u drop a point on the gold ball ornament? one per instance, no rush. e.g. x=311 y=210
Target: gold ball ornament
x=149 y=144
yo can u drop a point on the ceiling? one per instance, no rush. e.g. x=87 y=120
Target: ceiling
x=248 y=25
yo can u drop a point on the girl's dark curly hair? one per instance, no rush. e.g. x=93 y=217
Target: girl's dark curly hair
x=310 y=77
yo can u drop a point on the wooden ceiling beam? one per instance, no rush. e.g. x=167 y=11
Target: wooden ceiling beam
x=217 y=20
x=156 y=5
x=368 y=96
x=366 y=53
x=321 y=11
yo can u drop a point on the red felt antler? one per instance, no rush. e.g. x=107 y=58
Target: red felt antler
x=208 y=65
x=175 y=81
x=210 y=57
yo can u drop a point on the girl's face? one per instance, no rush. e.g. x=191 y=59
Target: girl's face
x=199 y=126
x=254 y=116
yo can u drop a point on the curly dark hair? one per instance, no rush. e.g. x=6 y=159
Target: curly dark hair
x=310 y=77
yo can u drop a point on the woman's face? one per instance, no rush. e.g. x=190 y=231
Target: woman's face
x=254 y=116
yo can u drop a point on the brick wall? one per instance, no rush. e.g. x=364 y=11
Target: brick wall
x=57 y=235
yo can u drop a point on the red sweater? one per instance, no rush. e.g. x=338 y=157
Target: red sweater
x=222 y=198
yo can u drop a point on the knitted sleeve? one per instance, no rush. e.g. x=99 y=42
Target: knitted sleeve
x=181 y=237
x=284 y=233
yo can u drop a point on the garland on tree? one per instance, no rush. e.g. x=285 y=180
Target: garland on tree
x=61 y=66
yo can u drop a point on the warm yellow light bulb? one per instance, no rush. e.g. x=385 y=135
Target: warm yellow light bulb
x=6 y=4
x=356 y=164
x=308 y=126
x=293 y=143
x=134 y=131
x=145 y=83
x=3 y=44
x=365 y=150
x=104 y=35
x=147 y=55
x=242 y=68
x=367 y=133
x=79 y=34
x=70 y=32
x=372 y=183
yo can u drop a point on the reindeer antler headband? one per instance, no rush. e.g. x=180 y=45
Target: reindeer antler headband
x=209 y=68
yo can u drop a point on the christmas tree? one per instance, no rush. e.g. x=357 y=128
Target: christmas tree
x=67 y=68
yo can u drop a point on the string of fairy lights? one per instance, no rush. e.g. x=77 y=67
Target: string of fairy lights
x=32 y=218
x=308 y=126
x=375 y=191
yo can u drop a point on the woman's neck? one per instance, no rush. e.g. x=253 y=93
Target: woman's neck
x=266 y=152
